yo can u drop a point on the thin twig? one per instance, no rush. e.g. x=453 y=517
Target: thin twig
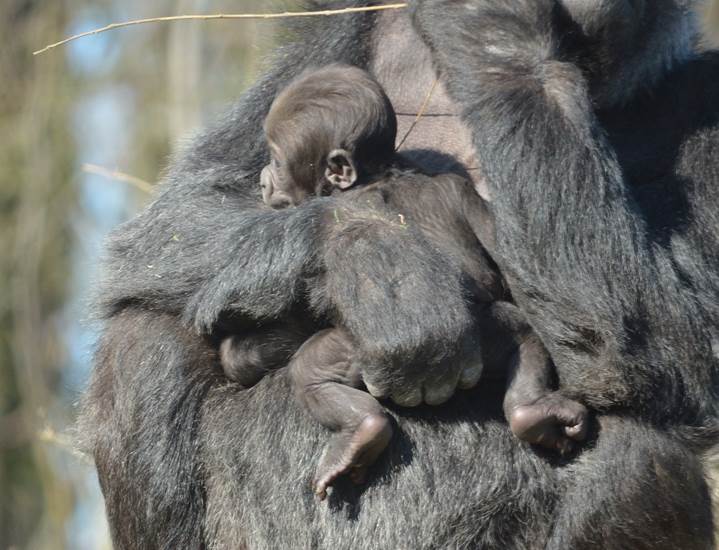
x=222 y=16
x=62 y=441
x=140 y=184
x=421 y=111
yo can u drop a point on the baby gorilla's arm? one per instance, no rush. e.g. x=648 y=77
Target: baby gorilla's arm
x=326 y=383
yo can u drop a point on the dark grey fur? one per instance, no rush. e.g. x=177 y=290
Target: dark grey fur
x=606 y=198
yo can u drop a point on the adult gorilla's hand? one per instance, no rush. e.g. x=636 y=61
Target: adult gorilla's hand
x=434 y=385
x=404 y=304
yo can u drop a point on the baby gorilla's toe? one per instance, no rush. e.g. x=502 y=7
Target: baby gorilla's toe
x=552 y=421
x=358 y=474
x=353 y=452
x=578 y=430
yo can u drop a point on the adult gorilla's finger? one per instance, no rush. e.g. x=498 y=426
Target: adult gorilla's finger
x=408 y=397
x=439 y=389
x=436 y=395
x=375 y=385
x=470 y=375
x=376 y=391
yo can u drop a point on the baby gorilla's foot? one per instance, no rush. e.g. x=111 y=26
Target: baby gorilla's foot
x=353 y=452
x=552 y=421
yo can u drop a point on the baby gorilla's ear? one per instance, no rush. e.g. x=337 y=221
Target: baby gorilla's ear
x=340 y=171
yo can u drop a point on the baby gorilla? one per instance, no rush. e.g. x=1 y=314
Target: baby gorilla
x=335 y=129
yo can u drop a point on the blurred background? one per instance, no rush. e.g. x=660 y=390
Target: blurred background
x=70 y=119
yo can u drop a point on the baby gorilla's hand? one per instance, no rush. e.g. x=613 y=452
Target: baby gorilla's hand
x=272 y=194
x=552 y=421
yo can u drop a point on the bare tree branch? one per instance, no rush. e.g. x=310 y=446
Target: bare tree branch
x=221 y=16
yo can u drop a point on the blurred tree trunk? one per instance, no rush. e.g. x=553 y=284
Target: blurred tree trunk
x=35 y=196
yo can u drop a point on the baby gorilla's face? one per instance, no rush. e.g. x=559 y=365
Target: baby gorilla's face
x=278 y=189
x=288 y=181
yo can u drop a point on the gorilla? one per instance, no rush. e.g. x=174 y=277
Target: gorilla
x=332 y=131
x=592 y=128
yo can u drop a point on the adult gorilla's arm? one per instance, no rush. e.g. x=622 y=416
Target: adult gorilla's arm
x=206 y=245
x=622 y=326
x=208 y=250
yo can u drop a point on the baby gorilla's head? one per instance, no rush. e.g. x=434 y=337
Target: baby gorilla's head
x=330 y=129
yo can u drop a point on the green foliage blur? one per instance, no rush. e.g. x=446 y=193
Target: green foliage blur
x=176 y=76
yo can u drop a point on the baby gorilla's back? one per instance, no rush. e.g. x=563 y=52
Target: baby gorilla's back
x=447 y=213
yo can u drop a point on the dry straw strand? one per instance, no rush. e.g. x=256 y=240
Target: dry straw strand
x=222 y=16
x=140 y=184
x=420 y=113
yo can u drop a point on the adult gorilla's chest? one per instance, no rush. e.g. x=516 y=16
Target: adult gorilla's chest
x=643 y=134
x=439 y=142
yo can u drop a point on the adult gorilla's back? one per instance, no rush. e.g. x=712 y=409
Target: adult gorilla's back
x=188 y=460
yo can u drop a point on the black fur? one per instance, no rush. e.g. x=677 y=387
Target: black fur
x=614 y=296
x=607 y=207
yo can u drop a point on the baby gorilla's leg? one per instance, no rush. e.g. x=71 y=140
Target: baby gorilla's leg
x=535 y=412
x=323 y=380
x=352 y=451
x=247 y=357
x=552 y=421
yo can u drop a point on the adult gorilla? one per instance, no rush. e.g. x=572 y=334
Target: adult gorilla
x=596 y=130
